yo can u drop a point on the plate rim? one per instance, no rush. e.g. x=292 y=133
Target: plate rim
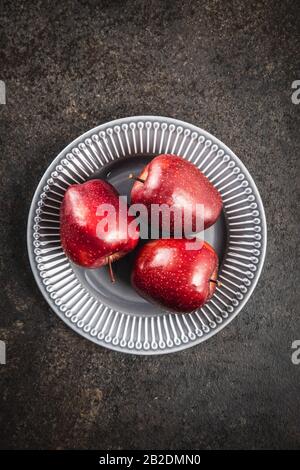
x=54 y=307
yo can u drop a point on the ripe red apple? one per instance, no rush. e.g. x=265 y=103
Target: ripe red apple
x=84 y=241
x=166 y=272
x=171 y=180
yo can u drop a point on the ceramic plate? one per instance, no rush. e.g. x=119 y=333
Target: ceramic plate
x=114 y=315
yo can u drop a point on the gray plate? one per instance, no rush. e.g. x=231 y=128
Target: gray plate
x=114 y=315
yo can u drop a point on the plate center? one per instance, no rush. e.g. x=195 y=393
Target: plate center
x=121 y=296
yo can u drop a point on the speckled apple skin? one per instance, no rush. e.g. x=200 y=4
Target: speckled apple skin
x=78 y=225
x=168 y=274
x=171 y=180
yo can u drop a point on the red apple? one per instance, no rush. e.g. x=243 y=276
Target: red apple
x=169 y=273
x=171 y=180
x=84 y=241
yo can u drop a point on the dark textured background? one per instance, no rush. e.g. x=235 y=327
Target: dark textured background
x=226 y=66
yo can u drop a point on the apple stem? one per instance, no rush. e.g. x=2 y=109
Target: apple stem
x=218 y=283
x=111 y=273
x=136 y=178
